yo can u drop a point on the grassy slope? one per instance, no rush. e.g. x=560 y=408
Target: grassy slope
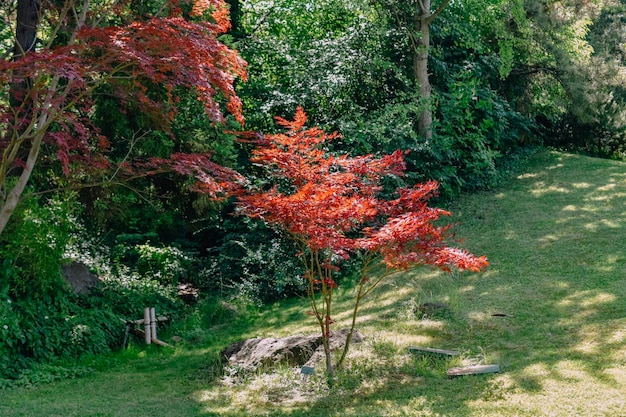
x=555 y=239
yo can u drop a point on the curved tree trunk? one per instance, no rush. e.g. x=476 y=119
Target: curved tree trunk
x=10 y=203
x=27 y=21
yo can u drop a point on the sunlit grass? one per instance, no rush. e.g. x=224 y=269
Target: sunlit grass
x=551 y=311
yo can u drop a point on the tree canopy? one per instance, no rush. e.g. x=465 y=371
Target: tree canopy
x=144 y=61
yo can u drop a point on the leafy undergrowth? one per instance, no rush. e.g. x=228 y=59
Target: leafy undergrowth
x=549 y=310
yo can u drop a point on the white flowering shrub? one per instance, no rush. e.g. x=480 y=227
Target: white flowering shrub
x=127 y=294
x=165 y=264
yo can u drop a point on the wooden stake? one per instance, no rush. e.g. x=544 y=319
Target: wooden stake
x=146 y=320
x=160 y=342
x=153 y=323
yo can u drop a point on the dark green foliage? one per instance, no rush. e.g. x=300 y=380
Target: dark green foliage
x=62 y=326
x=50 y=328
x=159 y=208
x=476 y=130
x=253 y=262
x=357 y=78
x=601 y=131
x=570 y=72
x=41 y=320
x=32 y=247
x=336 y=69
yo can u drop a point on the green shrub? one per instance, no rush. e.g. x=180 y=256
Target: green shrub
x=33 y=244
x=39 y=374
x=254 y=263
x=41 y=321
x=36 y=330
x=127 y=294
x=165 y=264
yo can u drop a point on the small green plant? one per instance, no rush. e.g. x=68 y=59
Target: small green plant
x=40 y=374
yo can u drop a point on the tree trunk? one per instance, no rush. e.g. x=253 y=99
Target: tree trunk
x=13 y=197
x=330 y=369
x=235 y=19
x=25 y=39
x=27 y=17
x=421 y=50
x=420 y=69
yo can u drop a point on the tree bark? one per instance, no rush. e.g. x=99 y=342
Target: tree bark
x=421 y=51
x=13 y=197
x=421 y=48
x=27 y=21
x=25 y=39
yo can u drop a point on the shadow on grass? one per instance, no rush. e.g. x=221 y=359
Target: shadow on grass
x=550 y=310
x=554 y=238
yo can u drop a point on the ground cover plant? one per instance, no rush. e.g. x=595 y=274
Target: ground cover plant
x=550 y=311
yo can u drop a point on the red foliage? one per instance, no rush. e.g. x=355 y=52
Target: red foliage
x=168 y=52
x=333 y=207
x=212 y=179
x=335 y=204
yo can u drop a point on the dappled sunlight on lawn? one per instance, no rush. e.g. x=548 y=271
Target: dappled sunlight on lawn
x=542 y=189
x=550 y=310
x=603 y=223
x=602 y=339
x=586 y=299
x=589 y=395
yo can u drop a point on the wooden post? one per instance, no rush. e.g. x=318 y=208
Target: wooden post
x=153 y=322
x=146 y=321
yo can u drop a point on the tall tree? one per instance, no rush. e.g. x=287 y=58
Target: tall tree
x=573 y=50
x=143 y=60
x=416 y=17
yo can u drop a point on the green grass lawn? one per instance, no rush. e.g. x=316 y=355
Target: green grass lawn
x=550 y=310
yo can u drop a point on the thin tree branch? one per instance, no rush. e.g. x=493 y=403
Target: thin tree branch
x=433 y=16
x=133 y=141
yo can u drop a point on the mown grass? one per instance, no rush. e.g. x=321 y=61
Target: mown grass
x=551 y=310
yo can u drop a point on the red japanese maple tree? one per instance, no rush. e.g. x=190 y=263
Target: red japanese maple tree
x=332 y=207
x=47 y=87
